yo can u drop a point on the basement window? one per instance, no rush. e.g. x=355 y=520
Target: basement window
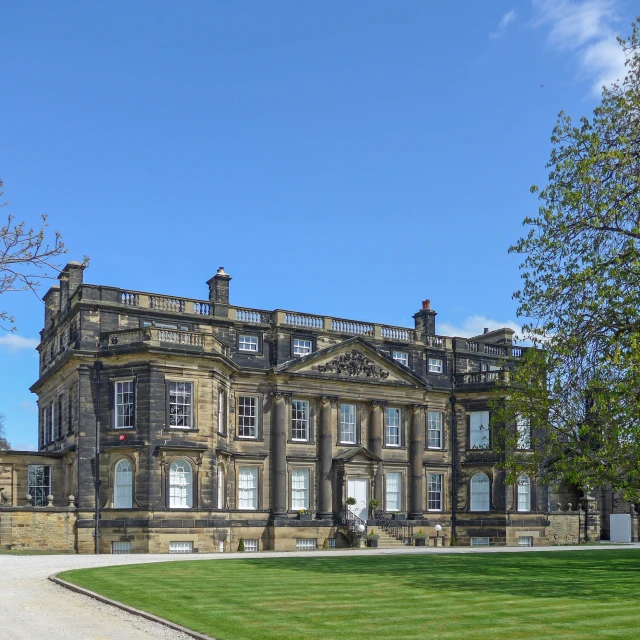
x=525 y=541
x=251 y=545
x=120 y=548
x=306 y=544
x=480 y=542
x=181 y=547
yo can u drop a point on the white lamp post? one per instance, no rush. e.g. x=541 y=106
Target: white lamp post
x=438 y=530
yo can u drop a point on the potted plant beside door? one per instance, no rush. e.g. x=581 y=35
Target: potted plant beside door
x=420 y=538
x=372 y=538
x=373 y=507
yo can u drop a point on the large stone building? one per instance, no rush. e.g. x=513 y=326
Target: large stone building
x=171 y=424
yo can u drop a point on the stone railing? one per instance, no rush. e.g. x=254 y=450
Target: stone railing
x=482 y=377
x=303 y=320
x=166 y=304
x=158 y=336
x=352 y=327
x=250 y=316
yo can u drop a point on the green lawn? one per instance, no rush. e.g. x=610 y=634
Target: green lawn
x=560 y=594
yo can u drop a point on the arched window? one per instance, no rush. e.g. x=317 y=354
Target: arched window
x=123 y=485
x=180 y=485
x=480 y=492
x=524 y=493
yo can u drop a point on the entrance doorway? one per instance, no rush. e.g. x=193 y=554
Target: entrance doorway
x=359 y=489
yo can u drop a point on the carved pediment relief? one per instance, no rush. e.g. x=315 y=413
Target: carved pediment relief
x=354 y=363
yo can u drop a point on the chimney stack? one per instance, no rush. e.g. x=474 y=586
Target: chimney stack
x=425 y=319
x=219 y=293
x=486 y=329
x=71 y=278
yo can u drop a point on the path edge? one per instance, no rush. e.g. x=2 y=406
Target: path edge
x=125 y=607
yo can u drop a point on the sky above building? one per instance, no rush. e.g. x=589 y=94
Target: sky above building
x=343 y=158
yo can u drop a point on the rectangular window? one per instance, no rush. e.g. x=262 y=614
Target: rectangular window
x=247 y=417
x=59 y=417
x=181 y=405
x=401 y=356
x=479 y=429
x=392 y=427
x=299 y=489
x=124 y=405
x=181 y=547
x=435 y=365
x=434 y=435
x=392 y=497
x=251 y=545
x=523 y=427
x=248 y=343
x=301 y=347
x=332 y=543
x=39 y=477
x=480 y=542
x=299 y=420
x=120 y=548
x=70 y=404
x=222 y=401
x=306 y=544
x=248 y=488
x=348 y=423
x=434 y=498
x=52 y=422
x=525 y=541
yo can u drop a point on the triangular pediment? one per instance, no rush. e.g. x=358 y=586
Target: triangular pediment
x=354 y=360
x=359 y=454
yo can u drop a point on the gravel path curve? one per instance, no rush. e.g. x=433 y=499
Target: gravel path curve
x=33 y=608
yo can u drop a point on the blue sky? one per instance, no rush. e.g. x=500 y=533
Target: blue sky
x=347 y=158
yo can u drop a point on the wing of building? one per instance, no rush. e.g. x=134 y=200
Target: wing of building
x=172 y=424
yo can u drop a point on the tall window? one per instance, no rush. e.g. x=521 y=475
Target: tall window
x=124 y=414
x=43 y=426
x=248 y=488
x=299 y=420
x=523 y=427
x=524 y=493
x=222 y=402
x=220 y=487
x=434 y=435
x=434 y=498
x=401 y=356
x=71 y=396
x=301 y=347
x=480 y=492
x=123 y=485
x=247 y=417
x=52 y=422
x=479 y=429
x=392 y=491
x=180 y=485
x=39 y=477
x=435 y=365
x=248 y=343
x=299 y=489
x=392 y=427
x=181 y=405
x=348 y=423
x=59 y=416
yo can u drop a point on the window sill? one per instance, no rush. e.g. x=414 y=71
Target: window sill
x=178 y=430
x=436 y=449
x=300 y=442
x=248 y=439
x=348 y=444
x=222 y=434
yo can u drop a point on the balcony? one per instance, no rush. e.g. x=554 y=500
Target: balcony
x=482 y=378
x=162 y=338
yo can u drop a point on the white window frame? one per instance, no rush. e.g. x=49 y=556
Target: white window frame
x=435 y=365
x=393 y=491
x=524 y=493
x=248 y=488
x=222 y=396
x=248 y=417
x=181 y=546
x=480 y=541
x=332 y=543
x=435 y=491
x=121 y=414
x=120 y=547
x=248 y=343
x=525 y=541
x=180 y=484
x=306 y=544
x=523 y=430
x=252 y=545
x=348 y=422
x=480 y=500
x=181 y=408
x=39 y=487
x=435 y=421
x=392 y=431
x=401 y=356
x=302 y=347
x=123 y=484
x=52 y=421
x=220 y=487
x=299 y=420
x=479 y=429
x=300 y=480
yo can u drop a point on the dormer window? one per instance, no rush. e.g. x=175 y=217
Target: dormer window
x=301 y=347
x=248 y=343
x=435 y=365
x=401 y=356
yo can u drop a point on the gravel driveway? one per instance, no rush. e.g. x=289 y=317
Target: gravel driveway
x=33 y=608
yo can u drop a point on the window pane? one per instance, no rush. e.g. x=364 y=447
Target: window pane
x=124 y=405
x=181 y=547
x=435 y=492
x=120 y=547
x=300 y=489
x=123 y=486
x=480 y=542
x=392 y=427
x=392 y=498
x=300 y=420
x=479 y=429
x=435 y=365
x=248 y=488
x=480 y=492
x=525 y=541
x=401 y=356
x=524 y=493
x=180 y=485
x=304 y=544
x=301 y=347
x=247 y=416
x=434 y=438
x=39 y=479
x=222 y=398
x=251 y=545
x=348 y=423
x=180 y=404
x=248 y=343
x=524 y=432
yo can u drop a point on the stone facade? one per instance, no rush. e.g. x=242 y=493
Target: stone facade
x=175 y=420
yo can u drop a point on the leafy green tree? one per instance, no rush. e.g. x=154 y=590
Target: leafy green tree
x=4 y=443
x=579 y=389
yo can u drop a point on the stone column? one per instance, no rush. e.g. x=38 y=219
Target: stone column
x=416 y=451
x=375 y=445
x=325 y=490
x=279 y=454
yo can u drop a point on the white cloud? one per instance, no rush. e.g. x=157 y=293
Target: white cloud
x=507 y=19
x=14 y=342
x=474 y=326
x=29 y=406
x=586 y=29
